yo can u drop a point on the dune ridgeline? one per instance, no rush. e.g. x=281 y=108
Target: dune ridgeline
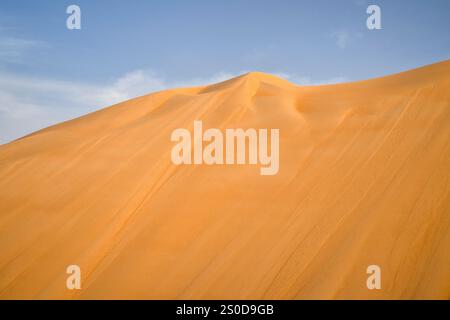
x=363 y=179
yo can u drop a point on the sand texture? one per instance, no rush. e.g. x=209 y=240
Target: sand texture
x=364 y=179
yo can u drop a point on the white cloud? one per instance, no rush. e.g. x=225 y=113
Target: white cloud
x=133 y=84
x=309 y=81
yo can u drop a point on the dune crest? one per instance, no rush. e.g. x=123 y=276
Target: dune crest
x=364 y=179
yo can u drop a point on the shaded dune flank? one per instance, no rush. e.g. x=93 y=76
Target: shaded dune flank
x=364 y=179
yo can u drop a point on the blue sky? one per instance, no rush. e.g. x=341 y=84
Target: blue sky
x=128 y=48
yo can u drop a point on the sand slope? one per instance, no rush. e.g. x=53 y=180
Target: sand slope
x=364 y=179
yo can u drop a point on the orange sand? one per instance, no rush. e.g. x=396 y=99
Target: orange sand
x=364 y=179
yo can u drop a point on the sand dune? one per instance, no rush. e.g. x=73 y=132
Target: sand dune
x=364 y=179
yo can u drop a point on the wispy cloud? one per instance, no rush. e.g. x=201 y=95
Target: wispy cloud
x=303 y=80
x=13 y=50
x=342 y=38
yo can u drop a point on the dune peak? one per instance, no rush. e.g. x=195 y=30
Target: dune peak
x=362 y=181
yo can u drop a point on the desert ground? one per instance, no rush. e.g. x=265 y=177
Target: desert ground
x=364 y=179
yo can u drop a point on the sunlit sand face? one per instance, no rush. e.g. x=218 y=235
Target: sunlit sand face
x=362 y=189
